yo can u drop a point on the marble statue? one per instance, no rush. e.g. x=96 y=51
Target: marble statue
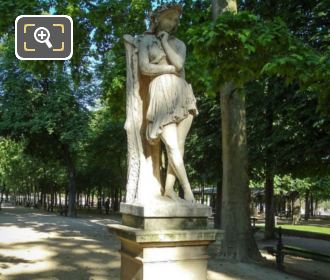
x=160 y=106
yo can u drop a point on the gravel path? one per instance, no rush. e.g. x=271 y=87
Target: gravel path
x=35 y=245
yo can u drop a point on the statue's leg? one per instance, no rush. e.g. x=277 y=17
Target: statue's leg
x=170 y=138
x=169 y=183
x=183 y=129
x=170 y=175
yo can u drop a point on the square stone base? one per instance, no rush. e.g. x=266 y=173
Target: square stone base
x=165 y=239
x=165 y=214
x=164 y=254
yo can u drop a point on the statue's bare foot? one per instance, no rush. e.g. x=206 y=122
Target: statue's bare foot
x=188 y=196
x=171 y=194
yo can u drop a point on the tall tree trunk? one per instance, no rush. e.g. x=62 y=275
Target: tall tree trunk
x=55 y=199
x=202 y=193
x=88 y=199
x=269 y=172
x=288 y=207
x=66 y=203
x=112 y=195
x=78 y=200
x=269 y=201
x=116 y=202
x=307 y=205
x=72 y=182
x=52 y=199
x=296 y=205
x=1 y=197
x=312 y=205
x=34 y=195
x=283 y=204
x=218 y=204
x=316 y=207
x=44 y=203
x=238 y=243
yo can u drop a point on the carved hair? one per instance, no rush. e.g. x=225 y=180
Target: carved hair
x=160 y=11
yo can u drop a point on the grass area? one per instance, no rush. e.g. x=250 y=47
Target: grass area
x=305 y=228
x=316 y=229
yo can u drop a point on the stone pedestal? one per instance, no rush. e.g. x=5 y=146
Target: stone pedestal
x=165 y=241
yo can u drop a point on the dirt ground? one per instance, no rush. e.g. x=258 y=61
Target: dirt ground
x=36 y=245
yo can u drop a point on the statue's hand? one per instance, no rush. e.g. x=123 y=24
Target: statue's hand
x=163 y=36
x=172 y=69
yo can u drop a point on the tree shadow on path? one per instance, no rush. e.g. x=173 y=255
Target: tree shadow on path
x=37 y=245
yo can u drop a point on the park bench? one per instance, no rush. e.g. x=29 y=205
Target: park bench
x=282 y=250
x=253 y=224
x=283 y=215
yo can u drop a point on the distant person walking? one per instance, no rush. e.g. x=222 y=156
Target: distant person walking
x=107 y=206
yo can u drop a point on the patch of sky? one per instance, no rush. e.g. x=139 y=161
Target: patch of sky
x=52 y=10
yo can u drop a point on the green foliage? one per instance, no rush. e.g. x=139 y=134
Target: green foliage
x=308 y=21
x=9 y=10
x=319 y=187
x=109 y=29
x=203 y=143
x=22 y=174
x=283 y=76
x=285 y=122
x=40 y=104
x=43 y=102
x=242 y=48
x=106 y=152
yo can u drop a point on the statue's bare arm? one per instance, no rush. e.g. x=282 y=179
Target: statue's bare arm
x=148 y=68
x=176 y=56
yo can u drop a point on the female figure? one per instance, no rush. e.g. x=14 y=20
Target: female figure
x=172 y=104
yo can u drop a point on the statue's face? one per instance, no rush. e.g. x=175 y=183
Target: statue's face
x=168 y=22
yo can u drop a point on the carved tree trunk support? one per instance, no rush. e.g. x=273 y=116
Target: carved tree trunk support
x=143 y=182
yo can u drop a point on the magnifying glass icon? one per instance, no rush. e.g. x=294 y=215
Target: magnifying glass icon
x=41 y=35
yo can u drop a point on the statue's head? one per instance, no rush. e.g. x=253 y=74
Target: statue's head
x=165 y=18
